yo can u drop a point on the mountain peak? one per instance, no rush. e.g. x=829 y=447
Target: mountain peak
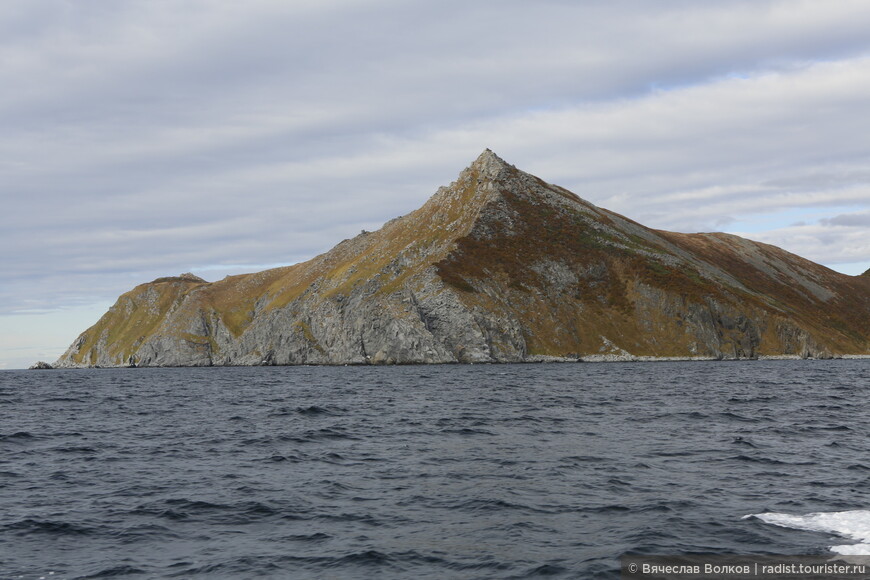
x=488 y=156
x=488 y=164
x=498 y=266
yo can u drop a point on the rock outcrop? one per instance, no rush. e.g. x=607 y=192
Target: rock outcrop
x=497 y=267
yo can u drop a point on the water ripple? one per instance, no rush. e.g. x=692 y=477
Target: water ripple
x=503 y=471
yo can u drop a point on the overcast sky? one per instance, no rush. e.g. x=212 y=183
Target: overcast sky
x=147 y=138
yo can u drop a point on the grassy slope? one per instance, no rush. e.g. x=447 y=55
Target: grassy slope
x=622 y=258
x=422 y=237
x=133 y=318
x=831 y=304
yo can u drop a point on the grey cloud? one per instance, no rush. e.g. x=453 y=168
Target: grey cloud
x=142 y=139
x=823 y=178
x=855 y=220
x=825 y=245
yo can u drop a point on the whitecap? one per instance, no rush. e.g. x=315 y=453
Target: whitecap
x=852 y=524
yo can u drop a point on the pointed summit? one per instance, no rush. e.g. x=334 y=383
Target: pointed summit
x=488 y=157
x=489 y=165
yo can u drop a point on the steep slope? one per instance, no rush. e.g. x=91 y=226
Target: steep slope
x=499 y=266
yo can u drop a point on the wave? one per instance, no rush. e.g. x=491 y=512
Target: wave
x=769 y=461
x=18 y=436
x=32 y=525
x=312 y=410
x=851 y=524
x=467 y=431
x=183 y=509
x=115 y=571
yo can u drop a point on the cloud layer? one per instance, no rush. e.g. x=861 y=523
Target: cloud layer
x=144 y=139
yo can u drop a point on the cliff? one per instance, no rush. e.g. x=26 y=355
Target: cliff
x=499 y=266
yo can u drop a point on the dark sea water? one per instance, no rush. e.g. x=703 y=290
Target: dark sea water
x=485 y=471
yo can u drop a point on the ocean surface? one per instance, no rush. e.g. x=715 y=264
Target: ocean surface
x=484 y=471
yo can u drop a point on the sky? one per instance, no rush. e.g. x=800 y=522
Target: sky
x=141 y=139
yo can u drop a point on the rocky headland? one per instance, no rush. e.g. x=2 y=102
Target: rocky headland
x=499 y=266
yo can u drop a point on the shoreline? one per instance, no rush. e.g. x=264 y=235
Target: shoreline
x=532 y=359
x=603 y=358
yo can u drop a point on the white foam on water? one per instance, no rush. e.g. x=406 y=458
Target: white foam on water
x=852 y=524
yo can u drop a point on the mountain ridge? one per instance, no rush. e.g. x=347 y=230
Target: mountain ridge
x=499 y=266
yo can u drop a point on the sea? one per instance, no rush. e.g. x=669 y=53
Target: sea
x=431 y=472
